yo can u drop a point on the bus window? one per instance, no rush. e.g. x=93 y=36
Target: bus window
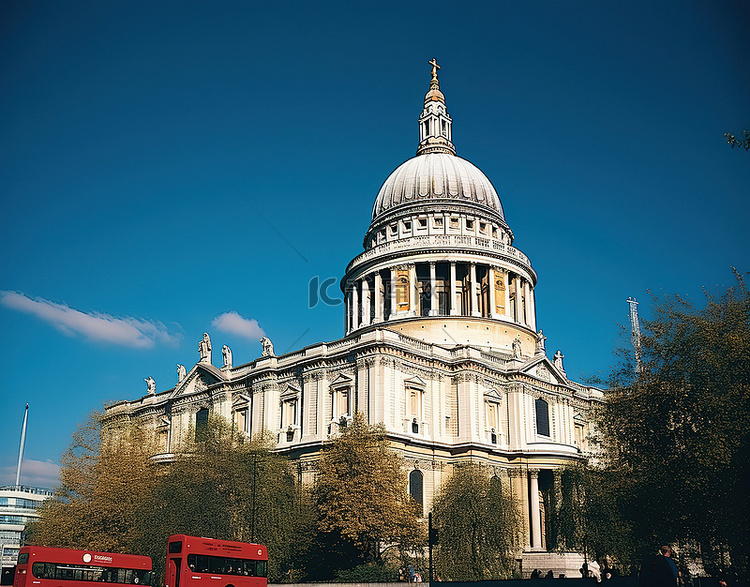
x=216 y=557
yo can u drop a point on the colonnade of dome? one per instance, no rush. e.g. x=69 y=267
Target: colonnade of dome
x=439 y=288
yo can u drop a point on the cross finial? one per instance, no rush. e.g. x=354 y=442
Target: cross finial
x=435 y=68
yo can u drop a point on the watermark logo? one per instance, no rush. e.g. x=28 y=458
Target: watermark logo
x=318 y=292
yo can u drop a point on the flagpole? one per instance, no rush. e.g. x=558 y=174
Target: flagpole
x=23 y=442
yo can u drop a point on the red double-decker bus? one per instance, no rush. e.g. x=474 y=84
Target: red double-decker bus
x=207 y=562
x=41 y=566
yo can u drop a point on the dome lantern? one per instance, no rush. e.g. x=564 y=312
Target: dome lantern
x=435 y=124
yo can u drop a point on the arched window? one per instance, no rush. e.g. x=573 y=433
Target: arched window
x=542 y=417
x=416 y=486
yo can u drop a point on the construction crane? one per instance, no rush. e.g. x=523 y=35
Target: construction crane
x=635 y=333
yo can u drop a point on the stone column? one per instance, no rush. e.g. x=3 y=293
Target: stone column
x=379 y=301
x=365 y=302
x=491 y=283
x=454 y=310
x=520 y=490
x=519 y=300
x=473 y=291
x=532 y=307
x=433 y=290
x=535 y=514
x=355 y=306
x=394 y=307
x=507 y=293
x=527 y=298
x=348 y=312
x=413 y=291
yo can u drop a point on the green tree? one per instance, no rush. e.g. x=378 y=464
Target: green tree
x=679 y=431
x=101 y=488
x=361 y=494
x=743 y=143
x=223 y=486
x=583 y=511
x=113 y=498
x=478 y=525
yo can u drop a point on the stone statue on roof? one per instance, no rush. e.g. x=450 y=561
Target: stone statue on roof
x=267 y=347
x=558 y=361
x=226 y=353
x=181 y=373
x=204 y=348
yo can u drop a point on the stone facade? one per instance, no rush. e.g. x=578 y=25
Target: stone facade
x=441 y=346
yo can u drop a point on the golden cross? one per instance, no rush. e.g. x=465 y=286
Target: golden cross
x=435 y=67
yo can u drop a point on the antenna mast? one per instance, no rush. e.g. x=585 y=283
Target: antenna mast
x=635 y=333
x=23 y=442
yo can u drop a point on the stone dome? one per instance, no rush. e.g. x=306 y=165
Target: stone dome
x=438 y=177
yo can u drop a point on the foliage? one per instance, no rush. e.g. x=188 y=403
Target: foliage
x=101 y=489
x=361 y=493
x=368 y=573
x=735 y=142
x=679 y=431
x=583 y=514
x=224 y=487
x=113 y=498
x=478 y=525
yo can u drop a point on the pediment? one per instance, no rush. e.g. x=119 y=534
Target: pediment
x=540 y=367
x=240 y=400
x=198 y=379
x=342 y=381
x=291 y=390
x=415 y=381
x=493 y=394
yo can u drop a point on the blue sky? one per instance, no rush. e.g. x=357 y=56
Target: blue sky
x=169 y=168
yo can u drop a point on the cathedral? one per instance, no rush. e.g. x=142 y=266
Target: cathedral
x=441 y=345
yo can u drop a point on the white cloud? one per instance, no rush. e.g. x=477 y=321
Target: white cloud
x=127 y=331
x=44 y=474
x=233 y=323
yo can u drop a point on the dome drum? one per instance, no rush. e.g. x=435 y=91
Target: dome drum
x=452 y=287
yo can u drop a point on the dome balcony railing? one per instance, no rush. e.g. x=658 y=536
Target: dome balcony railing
x=441 y=241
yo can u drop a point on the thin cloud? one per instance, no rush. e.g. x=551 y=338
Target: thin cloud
x=127 y=331
x=45 y=474
x=233 y=323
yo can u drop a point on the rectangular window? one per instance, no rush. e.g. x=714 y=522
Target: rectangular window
x=492 y=415
x=402 y=289
x=579 y=436
x=542 y=417
x=414 y=396
x=219 y=565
